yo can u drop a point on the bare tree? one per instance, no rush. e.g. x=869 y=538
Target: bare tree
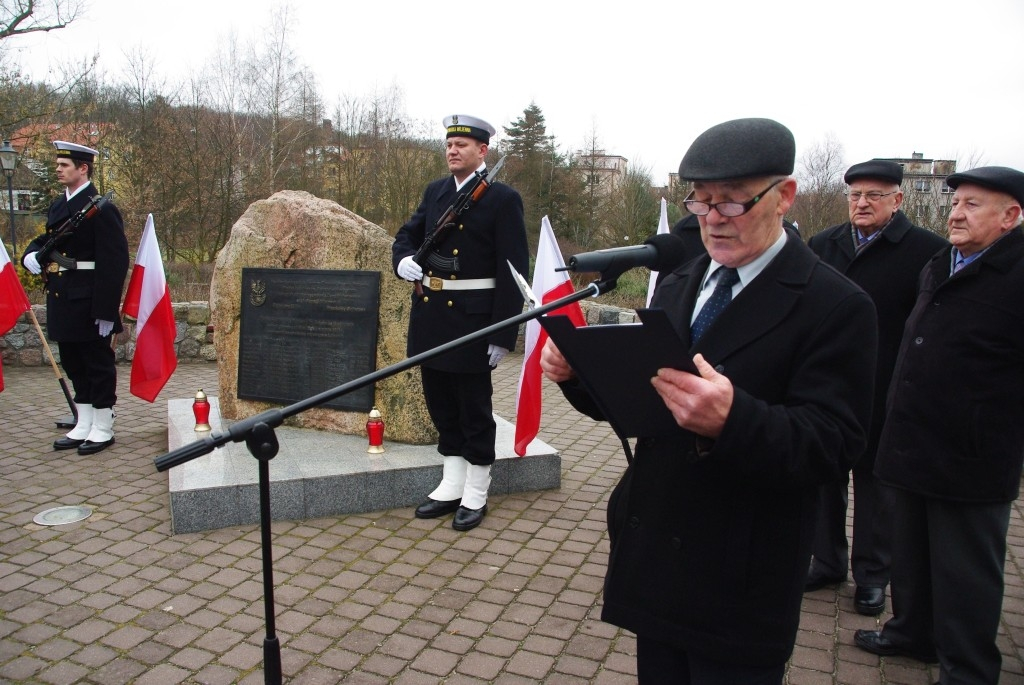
x=18 y=17
x=632 y=211
x=820 y=202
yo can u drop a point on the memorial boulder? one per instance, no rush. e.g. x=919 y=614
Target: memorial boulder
x=296 y=230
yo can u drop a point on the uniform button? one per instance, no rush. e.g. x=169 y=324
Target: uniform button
x=455 y=251
x=450 y=303
x=918 y=340
x=452 y=277
x=936 y=303
x=426 y=299
x=634 y=521
x=677 y=543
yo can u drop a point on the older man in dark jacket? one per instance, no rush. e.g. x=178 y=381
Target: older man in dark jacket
x=882 y=252
x=711 y=526
x=953 y=440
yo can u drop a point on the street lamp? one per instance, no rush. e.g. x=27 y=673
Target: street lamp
x=9 y=161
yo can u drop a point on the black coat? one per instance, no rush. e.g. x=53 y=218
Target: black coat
x=710 y=549
x=75 y=299
x=888 y=269
x=955 y=427
x=491 y=234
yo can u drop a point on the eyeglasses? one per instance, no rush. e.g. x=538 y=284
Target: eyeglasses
x=726 y=208
x=873 y=196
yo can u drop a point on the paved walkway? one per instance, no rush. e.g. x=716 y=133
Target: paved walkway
x=376 y=598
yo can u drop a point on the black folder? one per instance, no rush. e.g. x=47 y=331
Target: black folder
x=616 y=362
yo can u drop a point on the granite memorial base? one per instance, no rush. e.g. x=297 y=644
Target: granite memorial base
x=318 y=474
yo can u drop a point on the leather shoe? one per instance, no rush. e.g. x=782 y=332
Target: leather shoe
x=433 y=508
x=869 y=600
x=875 y=642
x=90 y=447
x=816 y=581
x=468 y=519
x=66 y=443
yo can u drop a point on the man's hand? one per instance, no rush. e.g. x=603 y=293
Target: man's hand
x=698 y=403
x=495 y=354
x=104 y=327
x=409 y=269
x=32 y=264
x=553 y=364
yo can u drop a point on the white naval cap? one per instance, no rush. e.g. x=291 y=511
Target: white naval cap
x=75 y=151
x=470 y=127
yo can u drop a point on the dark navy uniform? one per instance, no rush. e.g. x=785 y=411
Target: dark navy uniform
x=76 y=298
x=489 y=234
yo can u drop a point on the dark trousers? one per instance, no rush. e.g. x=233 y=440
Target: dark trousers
x=947 y=584
x=660 y=664
x=92 y=370
x=872 y=523
x=459 y=405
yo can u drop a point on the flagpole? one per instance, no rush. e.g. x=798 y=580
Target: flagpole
x=60 y=377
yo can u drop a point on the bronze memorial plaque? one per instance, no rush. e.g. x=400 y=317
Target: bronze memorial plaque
x=304 y=331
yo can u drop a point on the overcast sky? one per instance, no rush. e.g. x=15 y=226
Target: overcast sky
x=886 y=78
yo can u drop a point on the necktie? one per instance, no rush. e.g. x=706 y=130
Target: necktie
x=719 y=300
x=960 y=263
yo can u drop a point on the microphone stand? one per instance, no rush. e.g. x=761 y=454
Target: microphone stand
x=257 y=432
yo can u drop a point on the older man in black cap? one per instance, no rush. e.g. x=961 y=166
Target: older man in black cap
x=882 y=252
x=953 y=439
x=85 y=276
x=466 y=286
x=711 y=527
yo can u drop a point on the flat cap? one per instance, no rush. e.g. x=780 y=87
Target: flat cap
x=878 y=169
x=1000 y=178
x=470 y=127
x=741 y=148
x=74 y=151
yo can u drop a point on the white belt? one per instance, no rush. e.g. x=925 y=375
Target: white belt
x=84 y=266
x=434 y=283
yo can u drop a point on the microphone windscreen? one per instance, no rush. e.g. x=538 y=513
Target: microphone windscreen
x=671 y=251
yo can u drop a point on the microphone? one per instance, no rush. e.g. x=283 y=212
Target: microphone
x=660 y=252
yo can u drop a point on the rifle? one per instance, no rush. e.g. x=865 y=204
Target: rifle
x=472 y=193
x=95 y=204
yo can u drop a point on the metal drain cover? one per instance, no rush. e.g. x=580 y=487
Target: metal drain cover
x=61 y=515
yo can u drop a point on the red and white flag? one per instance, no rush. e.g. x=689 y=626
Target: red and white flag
x=149 y=301
x=549 y=285
x=662 y=228
x=13 y=300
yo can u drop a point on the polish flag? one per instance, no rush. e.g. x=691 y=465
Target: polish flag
x=13 y=301
x=662 y=228
x=549 y=285
x=149 y=301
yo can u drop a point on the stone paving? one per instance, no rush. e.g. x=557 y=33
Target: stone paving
x=373 y=598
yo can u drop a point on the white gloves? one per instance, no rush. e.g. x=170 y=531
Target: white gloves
x=32 y=264
x=495 y=354
x=409 y=269
x=105 y=327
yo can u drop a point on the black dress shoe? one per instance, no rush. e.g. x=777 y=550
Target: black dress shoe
x=875 y=642
x=433 y=508
x=869 y=600
x=816 y=581
x=90 y=447
x=66 y=443
x=468 y=519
